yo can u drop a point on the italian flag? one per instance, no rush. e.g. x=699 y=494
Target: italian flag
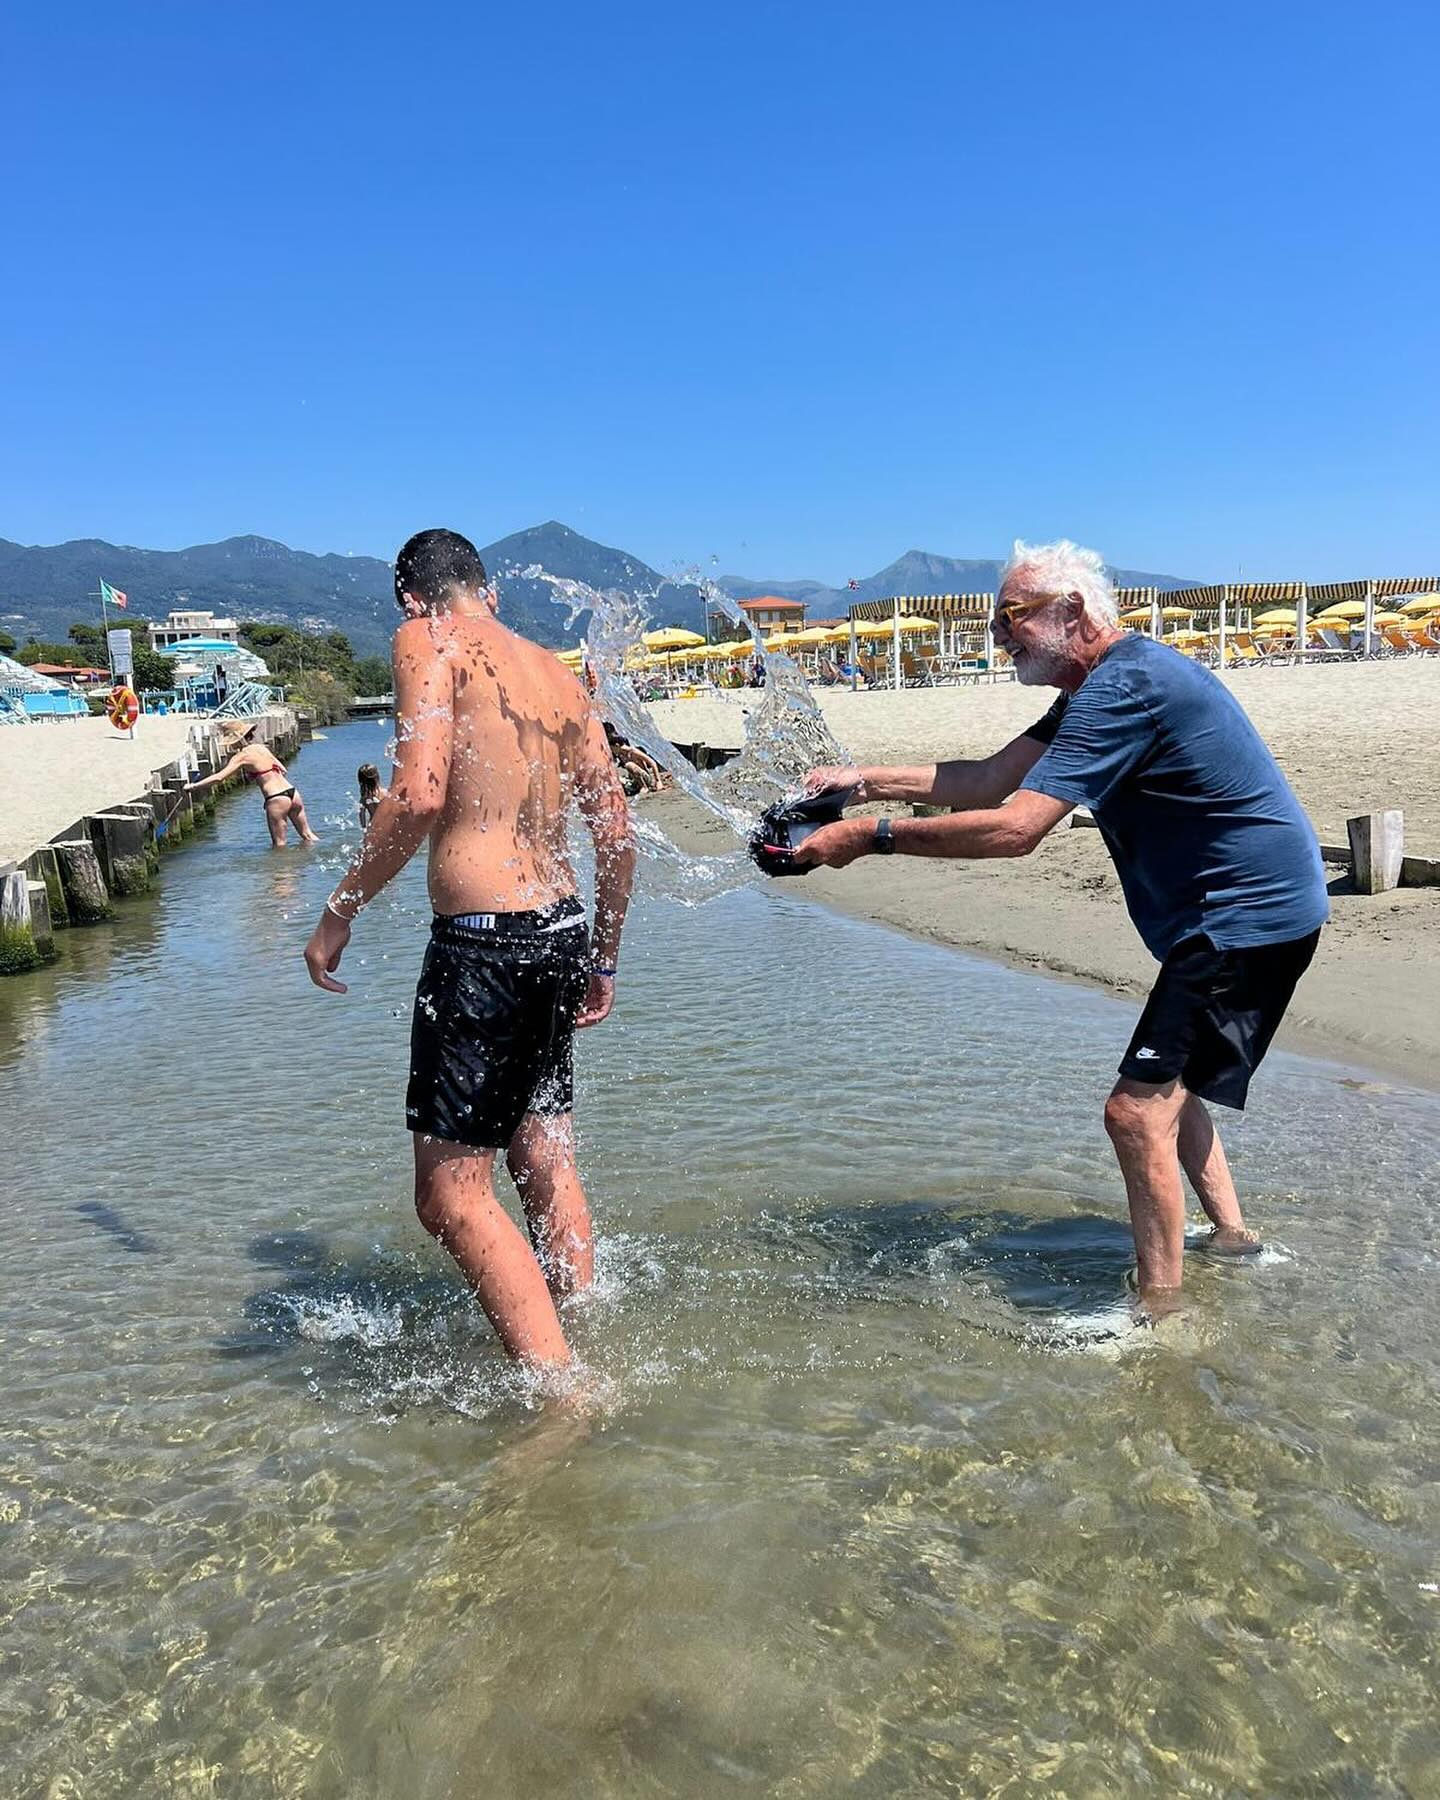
x=113 y=596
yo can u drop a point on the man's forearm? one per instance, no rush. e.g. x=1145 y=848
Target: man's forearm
x=395 y=834
x=614 y=878
x=964 y=784
x=987 y=832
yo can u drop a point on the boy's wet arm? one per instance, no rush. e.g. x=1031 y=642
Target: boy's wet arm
x=424 y=734
x=607 y=816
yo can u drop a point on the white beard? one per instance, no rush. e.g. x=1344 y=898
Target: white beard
x=1043 y=660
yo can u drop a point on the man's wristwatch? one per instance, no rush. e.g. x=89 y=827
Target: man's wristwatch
x=884 y=844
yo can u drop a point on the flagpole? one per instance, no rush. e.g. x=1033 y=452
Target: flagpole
x=105 y=633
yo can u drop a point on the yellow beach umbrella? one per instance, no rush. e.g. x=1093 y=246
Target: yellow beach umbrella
x=813 y=634
x=1185 y=637
x=1278 y=615
x=1420 y=603
x=1137 y=615
x=838 y=634
x=672 y=637
x=919 y=626
x=1391 y=618
x=1346 y=609
x=872 y=628
x=1177 y=612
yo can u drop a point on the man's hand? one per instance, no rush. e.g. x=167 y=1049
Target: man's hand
x=599 y=998
x=834 y=779
x=837 y=846
x=326 y=947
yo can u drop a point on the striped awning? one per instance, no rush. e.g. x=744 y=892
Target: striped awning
x=1387 y=587
x=926 y=606
x=1237 y=593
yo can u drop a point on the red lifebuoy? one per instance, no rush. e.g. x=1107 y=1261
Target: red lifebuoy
x=123 y=707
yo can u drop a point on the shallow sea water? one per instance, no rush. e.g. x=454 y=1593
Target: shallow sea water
x=880 y=1499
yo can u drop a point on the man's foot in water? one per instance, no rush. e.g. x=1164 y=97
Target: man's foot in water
x=1230 y=1242
x=1150 y=1305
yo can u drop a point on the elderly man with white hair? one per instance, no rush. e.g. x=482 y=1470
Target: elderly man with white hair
x=1219 y=866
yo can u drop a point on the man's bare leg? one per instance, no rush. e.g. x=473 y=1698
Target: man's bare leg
x=455 y=1201
x=541 y=1161
x=1143 y=1122
x=1203 y=1158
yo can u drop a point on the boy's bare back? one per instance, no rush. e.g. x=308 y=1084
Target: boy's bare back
x=523 y=736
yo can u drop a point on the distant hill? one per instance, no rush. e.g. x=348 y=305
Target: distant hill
x=916 y=572
x=44 y=587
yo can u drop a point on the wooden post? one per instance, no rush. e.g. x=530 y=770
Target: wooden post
x=182 y=809
x=43 y=865
x=41 y=926
x=1377 y=850
x=82 y=880
x=121 y=842
x=18 y=950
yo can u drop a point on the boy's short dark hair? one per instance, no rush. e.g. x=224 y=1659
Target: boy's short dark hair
x=433 y=562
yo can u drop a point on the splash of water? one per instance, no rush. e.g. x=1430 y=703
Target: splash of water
x=784 y=734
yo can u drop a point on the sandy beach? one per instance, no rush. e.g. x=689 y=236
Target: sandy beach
x=53 y=774
x=1351 y=738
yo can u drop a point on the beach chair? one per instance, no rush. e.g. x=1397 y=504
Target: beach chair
x=1423 y=637
x=1398 y=640
x=916 y=671
x=1329 y=643
x=1240 y=651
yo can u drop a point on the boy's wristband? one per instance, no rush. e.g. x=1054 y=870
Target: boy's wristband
x=595 y=969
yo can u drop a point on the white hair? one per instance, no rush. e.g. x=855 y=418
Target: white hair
x=1064 y=568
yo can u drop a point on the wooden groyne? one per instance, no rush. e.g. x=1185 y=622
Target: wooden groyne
x=113 y=854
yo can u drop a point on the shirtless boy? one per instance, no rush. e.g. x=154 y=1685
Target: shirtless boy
x=495 y=740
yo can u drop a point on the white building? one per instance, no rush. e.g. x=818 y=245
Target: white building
x=180 y=628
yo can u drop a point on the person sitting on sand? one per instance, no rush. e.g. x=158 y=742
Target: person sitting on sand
x=639 y=771
x=279 y=797
x=371 y=792
x=496 y=741
x=1219 y=866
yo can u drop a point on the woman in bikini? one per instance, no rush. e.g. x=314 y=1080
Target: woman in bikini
x=279 y=796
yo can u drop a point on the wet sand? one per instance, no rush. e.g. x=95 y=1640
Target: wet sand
x=53 y=774
x=1351 y=739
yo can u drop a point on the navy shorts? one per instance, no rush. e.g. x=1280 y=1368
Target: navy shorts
x=494 y=1025
x=1212 y=1013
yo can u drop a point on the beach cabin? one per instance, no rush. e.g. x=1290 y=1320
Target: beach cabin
x=769 y=613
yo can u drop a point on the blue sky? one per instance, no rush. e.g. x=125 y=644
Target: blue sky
x=792 y=287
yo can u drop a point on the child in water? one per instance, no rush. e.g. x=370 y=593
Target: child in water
x=371 y=792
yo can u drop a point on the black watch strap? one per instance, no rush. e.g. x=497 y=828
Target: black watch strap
x=884 y=838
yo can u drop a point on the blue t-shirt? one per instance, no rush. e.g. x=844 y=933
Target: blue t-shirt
x=1204 y=830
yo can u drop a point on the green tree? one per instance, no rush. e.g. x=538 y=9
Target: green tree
x=33 y=651
x=152 y=670
x=373 y=675
x=320 y=694
x=8 y=645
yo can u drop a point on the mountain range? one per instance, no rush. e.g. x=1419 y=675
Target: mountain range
x=45 y=587
x=916 y=572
